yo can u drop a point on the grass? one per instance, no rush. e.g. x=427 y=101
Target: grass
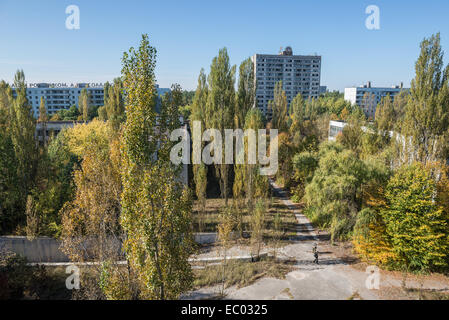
x=288 y=293
x=211 y=219
x=241 y=274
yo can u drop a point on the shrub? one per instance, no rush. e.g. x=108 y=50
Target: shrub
x=18 y=280
x=15 y=276
x=415 y=221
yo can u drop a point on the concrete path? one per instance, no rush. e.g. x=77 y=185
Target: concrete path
x=327 y=280
x=332 y=278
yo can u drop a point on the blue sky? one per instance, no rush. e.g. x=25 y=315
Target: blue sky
x=188 y=34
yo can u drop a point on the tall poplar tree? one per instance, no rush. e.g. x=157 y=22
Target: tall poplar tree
x=199 y=114
x=83 y=105
x=385 y=116
x=220 y=107
x=427 y=113
x=296 y=117
x=22 y=128
x=43 y=119
x=115 y=106
x=246 y=92
x=156 y=207
x=279 y=108
x=11 y=201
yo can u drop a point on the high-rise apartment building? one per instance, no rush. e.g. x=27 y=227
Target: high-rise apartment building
x=368 y=97
x=61 y=96
x=299 y=74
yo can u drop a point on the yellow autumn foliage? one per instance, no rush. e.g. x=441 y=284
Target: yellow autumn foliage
x=83 y=136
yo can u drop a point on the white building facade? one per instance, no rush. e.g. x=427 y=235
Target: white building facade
x=368 y=97
x=299 y=74
x=62 y=96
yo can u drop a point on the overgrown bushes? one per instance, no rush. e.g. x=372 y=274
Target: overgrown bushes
x=409 y=229
x=21 y=281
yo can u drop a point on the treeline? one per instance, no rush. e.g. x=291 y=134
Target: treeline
x=384 y=185
x=30 y=179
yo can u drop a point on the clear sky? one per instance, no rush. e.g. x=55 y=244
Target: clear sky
x=188 y=34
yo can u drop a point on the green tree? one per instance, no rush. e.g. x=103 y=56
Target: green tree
x=93 y=215
x=171 y=101
x=416 y=223
x=334 y=196
x=304 y=166
x=114 y=104
x=368 y=101
x=427 y=113
x=296 y=118
x=225 y=229
x=22 y=131
x=257 y=225
x=43 y=119
x=84 y=104
x=246 y=92
x=385 y=117
x=70 y=114
x=399 y=107
x=11 y=201
x=220 y=107
x=156 y=208
x=351 y=136
x=279 y=109
x=198 y=113
x=199 y=104
x=255 y=184
x=248 y=183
